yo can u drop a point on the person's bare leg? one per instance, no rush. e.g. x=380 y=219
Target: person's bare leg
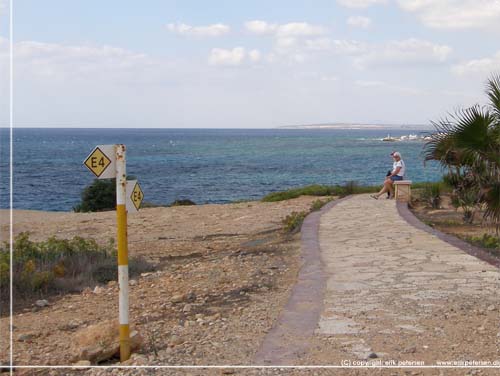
x=386 y=188
x=391 y=189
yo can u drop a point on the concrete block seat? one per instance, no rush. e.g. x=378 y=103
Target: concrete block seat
x=402 y=190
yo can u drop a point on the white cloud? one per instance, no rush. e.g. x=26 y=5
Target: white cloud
x=214 y=30
x=319 y=44
x=484 y=66
x=288 y=30
x=360 y=4
x=86 y=57
x=390 y=87
x=254 y=55
x=299 y=29
x=289 y=39
x=409 y=51
x=455 y=14
x=260 y=27
x=348 y=47
x=234 y=57
x=359 y=21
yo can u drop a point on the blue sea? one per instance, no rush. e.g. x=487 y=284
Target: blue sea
x=204 y=165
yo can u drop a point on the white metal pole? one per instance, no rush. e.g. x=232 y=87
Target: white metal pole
x=121 y=217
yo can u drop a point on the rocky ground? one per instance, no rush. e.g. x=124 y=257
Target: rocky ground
x=223 y=274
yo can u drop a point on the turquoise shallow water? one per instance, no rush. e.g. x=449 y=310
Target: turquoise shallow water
x=204 y=165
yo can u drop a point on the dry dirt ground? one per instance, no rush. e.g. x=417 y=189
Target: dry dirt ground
x=449 y=220
x=224 y=272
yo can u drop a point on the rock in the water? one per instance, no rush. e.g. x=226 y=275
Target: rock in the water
x=100 y=342
x=41 y=303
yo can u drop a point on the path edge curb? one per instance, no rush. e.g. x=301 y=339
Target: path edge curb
x=287 y=339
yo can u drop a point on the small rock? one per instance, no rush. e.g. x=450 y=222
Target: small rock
x=175 y=340
x=491 y=308
x=26 y=337
x=41 y=303
x=372 y=356
x=112 y=283
x=191 y=297
x=132 y=282
x=177 y=298
x=98 y=290
x=410 y=350
x=100 y=342
x=187 y=308
x=82 y=363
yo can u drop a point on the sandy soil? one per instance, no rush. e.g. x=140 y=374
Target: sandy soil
x=224 y=272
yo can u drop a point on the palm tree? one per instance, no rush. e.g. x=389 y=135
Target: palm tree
x=468 y=145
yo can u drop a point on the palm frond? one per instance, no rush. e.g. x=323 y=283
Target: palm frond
x=493 y=92
x=491 y=198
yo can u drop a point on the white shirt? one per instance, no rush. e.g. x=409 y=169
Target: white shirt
x=401 y=164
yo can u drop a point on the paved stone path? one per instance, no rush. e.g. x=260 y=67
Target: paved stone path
x=398 y=291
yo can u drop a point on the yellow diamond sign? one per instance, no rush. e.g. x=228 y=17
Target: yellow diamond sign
x=136 y=196
x=100 y=160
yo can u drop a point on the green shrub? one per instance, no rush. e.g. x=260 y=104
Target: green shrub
x=486 y=241
x=348 y=188
x=182 y=202
x=431 y=194
x=59 y=265
x=310 y=190
x=293 y=222
x=147 y=204
x=100 y=195
x=318 y=204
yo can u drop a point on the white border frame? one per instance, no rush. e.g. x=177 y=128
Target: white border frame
x=11 y=365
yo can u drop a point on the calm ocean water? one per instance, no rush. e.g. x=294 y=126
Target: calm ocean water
x=204 y=165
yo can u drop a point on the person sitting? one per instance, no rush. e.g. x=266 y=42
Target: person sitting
x=397 y=173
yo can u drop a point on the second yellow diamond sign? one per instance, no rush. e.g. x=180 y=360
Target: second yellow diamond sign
x=134 y=195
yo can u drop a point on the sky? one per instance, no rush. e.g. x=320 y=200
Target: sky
x=245 y=64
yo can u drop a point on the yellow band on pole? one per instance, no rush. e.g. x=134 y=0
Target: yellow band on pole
x=121 y=221
x=124 y=342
